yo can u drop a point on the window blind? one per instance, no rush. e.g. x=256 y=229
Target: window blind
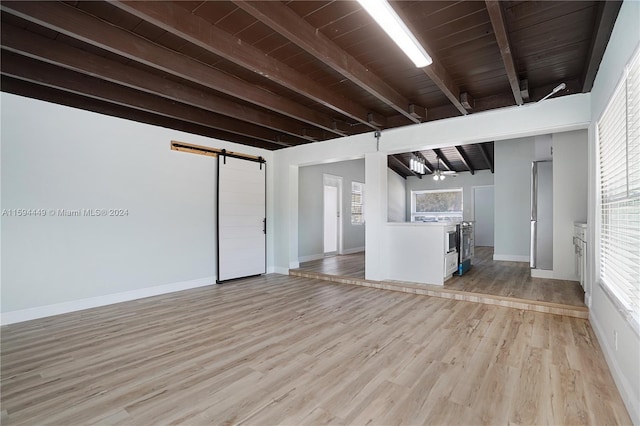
x=619 y=162
x=357 y=203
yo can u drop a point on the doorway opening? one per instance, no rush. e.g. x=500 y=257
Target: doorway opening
x=483 y=215
x=332 y=221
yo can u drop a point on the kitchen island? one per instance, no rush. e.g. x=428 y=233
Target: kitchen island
x=417 y=252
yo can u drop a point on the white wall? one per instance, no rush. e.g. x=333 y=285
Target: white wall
x=559 y=114
x=396 y=197
x=604 y=315
x=512 y=162
x=553 y=115
x=286 y=165
x=512 y=194
x=569 y=198
x=56 y=157
x=310 y=208
x=543 y=147
x=464 y=180
x=484 y=215
x=376 y=263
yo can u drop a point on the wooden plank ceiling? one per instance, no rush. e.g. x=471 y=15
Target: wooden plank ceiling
x=275 y=74
x=466 y=158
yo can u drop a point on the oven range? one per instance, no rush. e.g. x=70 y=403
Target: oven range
x=465 y=246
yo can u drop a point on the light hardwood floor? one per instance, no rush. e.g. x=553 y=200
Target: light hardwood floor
x=506 y=279
x=347 y=265
x=284 y=350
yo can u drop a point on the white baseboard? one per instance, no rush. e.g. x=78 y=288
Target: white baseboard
x=542 y=273
x=94 y=302
x=353 y=250
x=624 y=387
x=565 y=277
x=510 y=258
x=309 y=258
x=280 y=270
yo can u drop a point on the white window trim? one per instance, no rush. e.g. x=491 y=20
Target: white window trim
x=432 y=191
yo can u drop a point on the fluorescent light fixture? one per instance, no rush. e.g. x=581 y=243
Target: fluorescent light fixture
x=382 y=12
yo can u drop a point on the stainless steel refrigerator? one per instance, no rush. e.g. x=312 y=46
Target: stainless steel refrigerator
x=541 y=252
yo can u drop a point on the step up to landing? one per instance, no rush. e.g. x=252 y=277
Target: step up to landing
x=437 y=291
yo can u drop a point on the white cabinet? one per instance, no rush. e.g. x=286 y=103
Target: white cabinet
x=450 y=264
x=415 y=252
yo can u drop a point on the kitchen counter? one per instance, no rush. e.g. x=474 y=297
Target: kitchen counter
x=415 y=251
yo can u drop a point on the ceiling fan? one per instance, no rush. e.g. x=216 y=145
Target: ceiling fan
x=441 y=174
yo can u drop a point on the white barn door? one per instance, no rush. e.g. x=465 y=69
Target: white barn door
x=241 y=219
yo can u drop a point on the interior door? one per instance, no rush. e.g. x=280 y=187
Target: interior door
x=483 y=212
x=241 y=219
x=330 y=220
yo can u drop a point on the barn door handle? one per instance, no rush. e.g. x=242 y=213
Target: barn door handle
x=264 y=225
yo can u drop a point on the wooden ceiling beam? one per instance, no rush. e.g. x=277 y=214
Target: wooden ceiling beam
x=502 y=37
x=465 y=159
x=418 y=112
x=574 y=85
x=178 y=21
x=398 y=160
x=444 y=159
x=34 y=71
x=436 y=113
x=480 y=104
x=605 y=19
x=494 y=101
x=54 y=52
x=485 y=156
x=436 y=71
x=524 y=89
x=427 y=164
x=439 y=75
x=393 y=166
x=74 y=23
x=50 y=94
x=280 y=18
x=467 y=101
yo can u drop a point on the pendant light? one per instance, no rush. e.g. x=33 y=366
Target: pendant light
x=417 y=165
